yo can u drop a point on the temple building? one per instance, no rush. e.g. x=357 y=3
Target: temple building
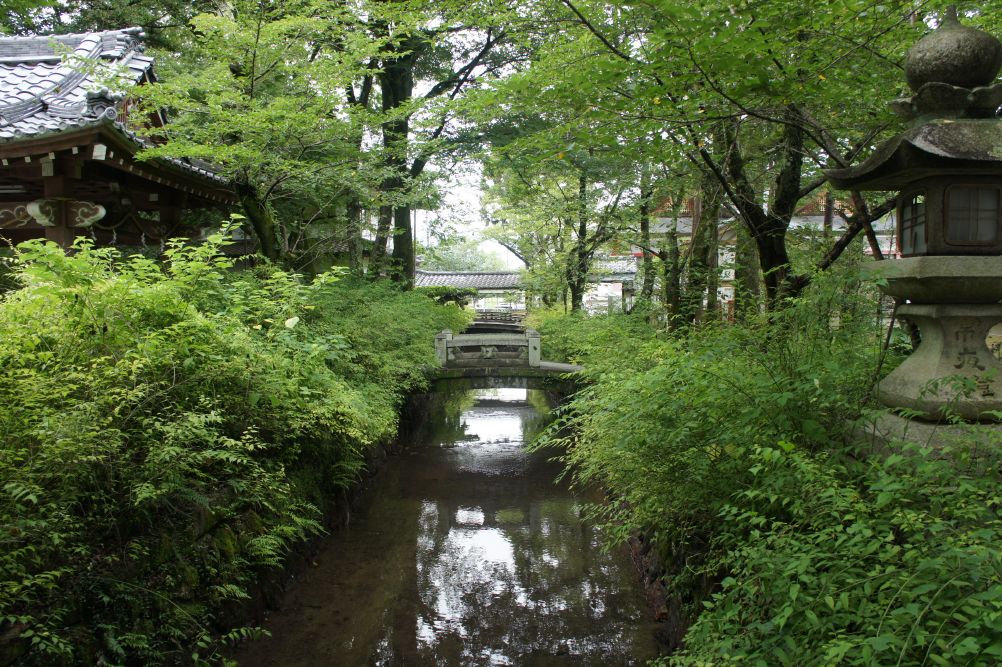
x=496 y=290
x=68 y=146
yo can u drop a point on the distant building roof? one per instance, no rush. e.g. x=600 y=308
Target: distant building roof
x=470 y=279
x=613 y=269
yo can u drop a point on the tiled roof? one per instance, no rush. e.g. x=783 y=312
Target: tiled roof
x=50 y=84
x=614 y=268
x=47 y=83
x=681 y=225
x=470 y=279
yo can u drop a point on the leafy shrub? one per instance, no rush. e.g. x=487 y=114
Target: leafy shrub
x=888 y=561
x=663 y=415
x=726 y=448
x=168 y=432
x=444 y=294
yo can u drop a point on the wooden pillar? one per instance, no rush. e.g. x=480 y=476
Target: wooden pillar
x=61 y=235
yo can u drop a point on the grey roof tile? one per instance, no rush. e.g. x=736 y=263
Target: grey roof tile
x=470 y=279
x=38 y=76
x=619 y=265
x=41 y=92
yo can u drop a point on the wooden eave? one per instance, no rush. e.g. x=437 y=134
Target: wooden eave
x=120 y=154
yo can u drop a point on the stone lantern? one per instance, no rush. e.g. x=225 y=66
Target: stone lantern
x=947 y=169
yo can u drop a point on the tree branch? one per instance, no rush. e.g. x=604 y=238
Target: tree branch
x=462 y=74
x=593 y=30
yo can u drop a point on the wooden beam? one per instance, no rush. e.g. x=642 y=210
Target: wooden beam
x=56 y=186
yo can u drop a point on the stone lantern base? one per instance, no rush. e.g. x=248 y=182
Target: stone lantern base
x=954 y=301
x=886 y=432
x=952 y=370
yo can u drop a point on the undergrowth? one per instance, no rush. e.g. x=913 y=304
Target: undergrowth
x=726 y=448
x=169 y=431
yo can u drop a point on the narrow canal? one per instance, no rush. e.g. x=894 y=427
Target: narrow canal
x=465 y=552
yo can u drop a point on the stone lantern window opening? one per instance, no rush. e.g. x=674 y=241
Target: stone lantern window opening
x=972 y=215
x=944 y=215
x=911 y=224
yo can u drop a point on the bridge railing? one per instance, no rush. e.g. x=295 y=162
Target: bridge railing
x=480 y=350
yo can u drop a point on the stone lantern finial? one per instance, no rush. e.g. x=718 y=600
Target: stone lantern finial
x=951 y=71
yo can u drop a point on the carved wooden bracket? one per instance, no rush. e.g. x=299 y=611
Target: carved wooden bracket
x=45 y=212
x=14 y=214
x=83 y=213
x=53 y=212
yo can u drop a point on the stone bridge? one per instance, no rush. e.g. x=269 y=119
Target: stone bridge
x=496 y=360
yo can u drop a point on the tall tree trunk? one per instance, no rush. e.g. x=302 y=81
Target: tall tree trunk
x=577 y=274
x=712 y=266
x=706 y=217
x=577 y=287
x=774 y=260
x=396 y=83
x=261 y=220
x=786 y=196
x=671 y=267
x=355 y=210
x=646 y=195
x=354 y=214
x=672 y=281
x=829 y=214
x=746 y=275
x=403 y=247
x=768 y=228
x=377 y=263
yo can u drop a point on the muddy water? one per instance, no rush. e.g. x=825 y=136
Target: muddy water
x=466 y=552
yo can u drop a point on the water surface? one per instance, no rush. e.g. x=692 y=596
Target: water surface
x=465 y=552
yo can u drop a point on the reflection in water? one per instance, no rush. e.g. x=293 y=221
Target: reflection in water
x=468 y=553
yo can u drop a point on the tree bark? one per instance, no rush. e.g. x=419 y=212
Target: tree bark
x=646 y=195
x=356 y=260
x=768 y=228
x=355 y=210
x=577 y=274
x=829 y=214
x=402 y=270
x=712 y=266
x=706 y=218
x=746 y=275
x=378 y=260
x=672 y=287
x=261 y=220
x=396 y=83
